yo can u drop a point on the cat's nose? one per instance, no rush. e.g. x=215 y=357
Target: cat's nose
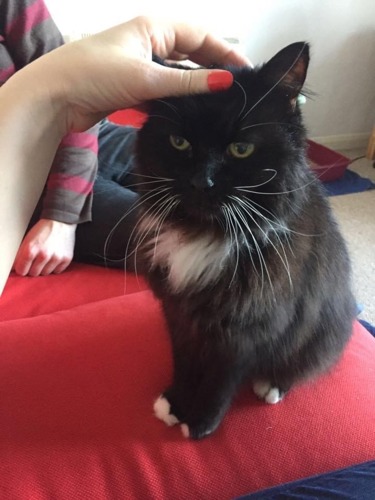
x=202 y=182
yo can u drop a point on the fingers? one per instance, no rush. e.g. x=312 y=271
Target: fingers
x=160 y=81
x=34 y=262
x=42 y=266
x=23 y=261
x=46 y=249
x=200 y=46
x=182 y=40
x=216 y=51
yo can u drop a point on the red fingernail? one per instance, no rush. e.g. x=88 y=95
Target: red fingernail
x=219 y=80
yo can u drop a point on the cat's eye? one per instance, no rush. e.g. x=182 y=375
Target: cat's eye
x=240 y=150
x=179 y=143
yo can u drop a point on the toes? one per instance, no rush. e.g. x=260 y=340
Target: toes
x=261 y=388
x=199 y=430
x=273 y=396
x=162 y=409
x=265 y=391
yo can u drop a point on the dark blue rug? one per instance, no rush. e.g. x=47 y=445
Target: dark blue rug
x=369 y=327
x=349 y=183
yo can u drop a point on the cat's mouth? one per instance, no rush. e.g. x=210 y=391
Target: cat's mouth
x=203 y=211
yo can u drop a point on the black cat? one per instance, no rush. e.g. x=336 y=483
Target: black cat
x=239 y=243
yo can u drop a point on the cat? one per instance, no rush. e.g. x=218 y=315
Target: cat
x=239 y=243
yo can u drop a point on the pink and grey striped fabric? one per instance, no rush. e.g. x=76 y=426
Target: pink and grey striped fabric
x=27 y=31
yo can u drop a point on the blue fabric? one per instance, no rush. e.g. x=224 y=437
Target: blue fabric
x=353 y=483
x=369 y=327
x=349 y=183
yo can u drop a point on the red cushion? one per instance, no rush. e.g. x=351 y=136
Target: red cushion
x=77 y=387
x=79 y=284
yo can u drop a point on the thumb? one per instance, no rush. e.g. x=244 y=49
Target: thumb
x=175 y=82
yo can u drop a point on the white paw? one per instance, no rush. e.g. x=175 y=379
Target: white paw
x=264 y=390
x=162 y=409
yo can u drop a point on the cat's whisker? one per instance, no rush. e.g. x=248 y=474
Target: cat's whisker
x=233 y=238
x=244 y=96
x=160 y=181
x=170 y=106
x=173 y=202
x=159 y=204
x=277 y=83
x=262 y=262
x=240 y=188
x=268 y=240
x=164 y=208
x=245 y=239
x=143 y=233
x=280 y=192
x=272 y=123
x=136 y=205
x=275 y=221
x=218 y=219
x=164 y=118
x=158 y=177
x=288 y=238
x=168 y=206
x=272 y=223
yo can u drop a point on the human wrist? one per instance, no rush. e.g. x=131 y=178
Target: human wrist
x=42 y=102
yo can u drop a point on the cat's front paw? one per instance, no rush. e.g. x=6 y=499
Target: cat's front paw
x=264 y=390
x=162 y=410
x=198 y=431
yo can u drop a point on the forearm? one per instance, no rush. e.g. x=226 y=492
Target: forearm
x=31 y=128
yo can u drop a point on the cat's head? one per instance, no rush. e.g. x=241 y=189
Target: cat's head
x=198 y=156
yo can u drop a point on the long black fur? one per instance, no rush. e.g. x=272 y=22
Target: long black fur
x=280 y=309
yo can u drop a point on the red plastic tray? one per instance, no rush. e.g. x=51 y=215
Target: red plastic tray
x=326 y=163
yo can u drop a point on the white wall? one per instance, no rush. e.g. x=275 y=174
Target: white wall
x=341 y=33
x=342 y=70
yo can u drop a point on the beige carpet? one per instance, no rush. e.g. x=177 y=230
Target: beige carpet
x=356 y=214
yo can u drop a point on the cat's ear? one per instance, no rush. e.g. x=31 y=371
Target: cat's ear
x=288 y=69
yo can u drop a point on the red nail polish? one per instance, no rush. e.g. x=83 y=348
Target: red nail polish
x=219 y=80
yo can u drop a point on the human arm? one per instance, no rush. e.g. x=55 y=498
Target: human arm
x=27 y=32
x=73 y=87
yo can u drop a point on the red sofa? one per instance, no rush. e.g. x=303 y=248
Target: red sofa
x=84 y=354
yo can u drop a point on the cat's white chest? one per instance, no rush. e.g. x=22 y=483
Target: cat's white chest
x=189 y=261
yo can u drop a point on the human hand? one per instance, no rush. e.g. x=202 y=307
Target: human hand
x=114 y=69
x=47 y=248
x=72 y=88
